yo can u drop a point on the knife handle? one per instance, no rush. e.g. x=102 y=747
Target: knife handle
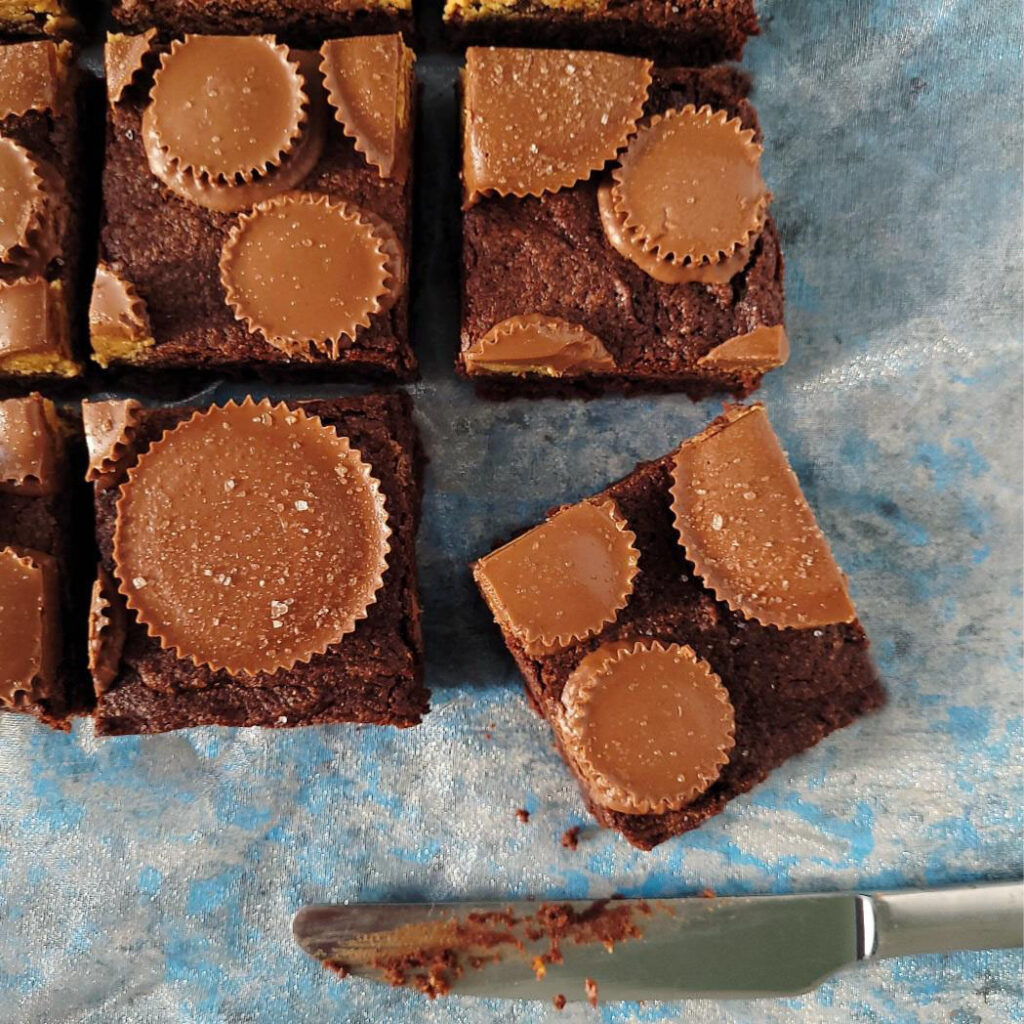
x=986 y=916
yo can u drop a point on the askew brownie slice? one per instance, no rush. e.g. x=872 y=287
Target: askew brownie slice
x=616 y=232
x=256 y=207
x=684 y=631
x=257 y=564
x=36 y=598
x=690 y=31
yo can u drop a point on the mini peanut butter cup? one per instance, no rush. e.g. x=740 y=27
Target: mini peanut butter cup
x=109 y=429
x=29 y=627
x=32 y=323
x=648 y=725
x=763 y=348
x=124 y=56
x=107 y=625
x=29 y=445
x=689 y=187
x=22 y=202
x=30 y=75
x=516 y=143
x=748 y=530
x=250 y=538
x=369 y=84
x=563 y=580
x=538 y=344
x=303 y=271
x=116 y=309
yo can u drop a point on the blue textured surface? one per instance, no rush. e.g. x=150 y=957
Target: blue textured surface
x=153 y=879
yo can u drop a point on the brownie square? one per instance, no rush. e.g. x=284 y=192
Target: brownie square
x=38 y=637
x=40 y=212
x=301 y=22
x=688 y=31
x=177 y=287
x=789 y=686
x=374 y=674
x=536 y=251
x=30 y=19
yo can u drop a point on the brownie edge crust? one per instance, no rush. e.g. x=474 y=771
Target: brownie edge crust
x=373 y=675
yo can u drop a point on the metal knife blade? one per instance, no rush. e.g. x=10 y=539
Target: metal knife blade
x=649 y=949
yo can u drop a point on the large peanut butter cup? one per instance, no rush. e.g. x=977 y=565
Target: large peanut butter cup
x=537 y=121
x=305 y=272
x=563 y=580
x=748 y=530
x=250 y=538
x=689 y=186
x=533 y=343
x=649 y=725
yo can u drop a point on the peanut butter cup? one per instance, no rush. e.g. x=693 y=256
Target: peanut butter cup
x=118 y=319
x=33 y=329
x=250 y=538
x=29 y=446
x=763 y=348
x=538 y=344
x=30 y=76
x=107 y=629
x=649 y=725
x=124 y=57
x=22 y=201
x=109 y=427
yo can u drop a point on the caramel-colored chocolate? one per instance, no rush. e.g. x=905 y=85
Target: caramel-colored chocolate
x=107 y=627
x=537 y=121
x=538 y=344
x=563 y=580
x=29 y=77
x=665 y=270
x=124 y=57
x=226 y=107
x=250 y=538
x=29 y=626
x=689 y=186
x=29 y=446
x=748 y=530
x=369 y=81
x=22 y=201
x=648 y=725
x=109 y=428
x=763 y=348
x=31 y=319
x=304 y=271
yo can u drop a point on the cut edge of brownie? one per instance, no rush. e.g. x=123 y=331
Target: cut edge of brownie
x=129 y=706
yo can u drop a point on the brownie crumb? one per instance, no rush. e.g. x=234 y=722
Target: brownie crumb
x=559 y=1001
x=590 y=987
x=523 y=815
x=708 y=893
x=571 y=837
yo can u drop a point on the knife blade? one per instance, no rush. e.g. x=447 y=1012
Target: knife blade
x=663 y=949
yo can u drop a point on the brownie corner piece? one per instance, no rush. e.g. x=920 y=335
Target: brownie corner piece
x=37 y=637
x=39 y=211
x=286 y=612
x=691 y=32
x=285 y=253
x=685 y=631
x=618 y=238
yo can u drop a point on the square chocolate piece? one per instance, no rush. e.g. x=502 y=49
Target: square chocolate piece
x=36 y=677
x=30 y=19
x=684 y=631
x=300 y=22
x=38 y=211
x=616 y=233
x=256 y=207
x=258 y=564
x=685 y=31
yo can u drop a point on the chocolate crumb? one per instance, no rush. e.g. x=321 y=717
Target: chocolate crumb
x=559 y=1001
x=571 y=837
x=523 y=815
x=590 y=987
x=708 y=893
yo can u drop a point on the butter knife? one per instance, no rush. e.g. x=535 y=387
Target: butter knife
x=631 y=949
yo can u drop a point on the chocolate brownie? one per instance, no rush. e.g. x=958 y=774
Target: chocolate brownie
x=30 y=19
x=38 y=212
x=289 y=610
x=256 y=207
x=685 y=31
x=616 y=236
x=299 y=22
x=37 y=634
x=684 y=631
